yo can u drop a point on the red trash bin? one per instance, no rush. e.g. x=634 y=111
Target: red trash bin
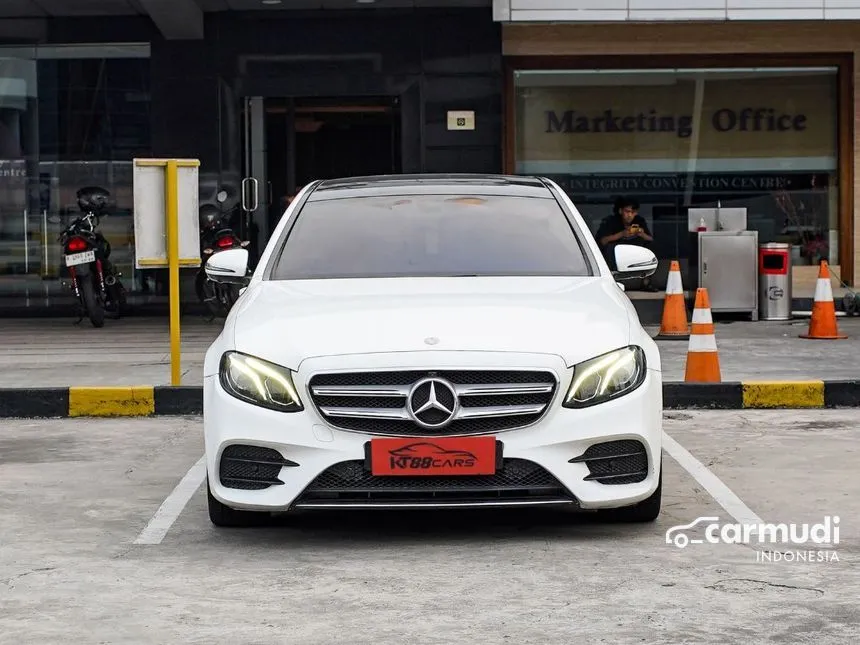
x=774 y=289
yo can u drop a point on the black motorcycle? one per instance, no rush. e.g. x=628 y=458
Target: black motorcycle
x=216 y=235
x=93 y=277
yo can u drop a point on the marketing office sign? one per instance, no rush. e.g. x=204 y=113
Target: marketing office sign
x=726 y=119
x=752 y=124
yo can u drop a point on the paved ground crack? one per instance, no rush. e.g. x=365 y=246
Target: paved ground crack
x=750 y=585
x=10 y=582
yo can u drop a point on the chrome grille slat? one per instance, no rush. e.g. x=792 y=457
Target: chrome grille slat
x=360 y=390
x=366 y=413
x=498 y=411
x=462 y=413
x=503 y=389
x=376 y=402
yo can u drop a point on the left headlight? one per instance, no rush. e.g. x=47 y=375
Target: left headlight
x=259 y=382
x=606 y=377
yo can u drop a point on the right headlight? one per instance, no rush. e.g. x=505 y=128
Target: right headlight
x=259 y=382
x=606 y=377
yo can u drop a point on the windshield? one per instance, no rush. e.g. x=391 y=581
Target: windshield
x=430 y=236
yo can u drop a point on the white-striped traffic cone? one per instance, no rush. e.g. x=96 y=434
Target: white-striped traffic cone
x=703 y=361
x=823 y=323
x=674 y=324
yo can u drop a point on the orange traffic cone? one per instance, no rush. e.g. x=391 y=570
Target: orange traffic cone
x=823 y=325
x=674 y=325
x=703 y=362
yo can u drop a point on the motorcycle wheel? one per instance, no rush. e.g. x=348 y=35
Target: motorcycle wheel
x=206 y=293
x=224 y=299
x=118 y=298
x=122 y=300
x=232 y=295
x=91 y=303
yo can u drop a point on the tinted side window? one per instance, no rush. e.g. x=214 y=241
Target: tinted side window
x=431 y=235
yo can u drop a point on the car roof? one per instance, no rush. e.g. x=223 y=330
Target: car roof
x=430 y=183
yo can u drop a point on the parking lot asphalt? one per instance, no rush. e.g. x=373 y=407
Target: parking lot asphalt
x=79 y=493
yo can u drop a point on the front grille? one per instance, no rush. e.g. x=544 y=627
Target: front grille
x=251 y=467
x=486 y=400
x=516 y=480
x=615 y=462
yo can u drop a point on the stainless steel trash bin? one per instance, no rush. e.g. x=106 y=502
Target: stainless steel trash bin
x=774 y=287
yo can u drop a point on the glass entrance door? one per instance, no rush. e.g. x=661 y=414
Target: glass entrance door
x=288 y=142
x=255 y=187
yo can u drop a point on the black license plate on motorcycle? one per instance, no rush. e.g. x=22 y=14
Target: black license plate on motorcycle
x=80 y=258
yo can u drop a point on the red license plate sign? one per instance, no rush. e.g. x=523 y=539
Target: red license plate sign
x=413 y=456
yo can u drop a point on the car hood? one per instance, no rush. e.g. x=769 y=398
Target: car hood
x=574 y=318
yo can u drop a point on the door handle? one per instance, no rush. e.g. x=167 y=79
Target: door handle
x=256 y=186
x=250 y=181
x=244 y=192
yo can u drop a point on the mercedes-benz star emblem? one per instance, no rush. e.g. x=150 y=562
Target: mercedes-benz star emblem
x=432 y=403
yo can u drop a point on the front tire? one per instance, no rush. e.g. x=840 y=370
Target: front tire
x=224 y=516
x=91 y=303
x=648 y=510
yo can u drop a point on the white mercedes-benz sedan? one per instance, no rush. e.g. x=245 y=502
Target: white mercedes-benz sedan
x=427 y=342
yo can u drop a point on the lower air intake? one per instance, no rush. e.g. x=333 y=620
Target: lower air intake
x=251 y=467
x=517 y=481
x=615 y=462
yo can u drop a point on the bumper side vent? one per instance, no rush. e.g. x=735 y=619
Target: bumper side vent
x=615 y=462
x=251 y=467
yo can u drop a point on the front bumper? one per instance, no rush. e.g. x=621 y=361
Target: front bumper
x=317 y=466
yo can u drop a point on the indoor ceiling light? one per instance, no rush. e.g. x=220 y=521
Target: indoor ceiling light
x=272 y=1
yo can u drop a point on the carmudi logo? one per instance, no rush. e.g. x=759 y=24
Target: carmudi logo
x=824 y=535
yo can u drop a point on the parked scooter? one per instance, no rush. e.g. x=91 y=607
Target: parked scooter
x=216 y=235
x=93 y=277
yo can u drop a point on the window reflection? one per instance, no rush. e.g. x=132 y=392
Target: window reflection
x=70 y=116
x=764 y=139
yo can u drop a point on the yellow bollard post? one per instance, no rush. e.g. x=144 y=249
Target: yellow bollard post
x=172 y=209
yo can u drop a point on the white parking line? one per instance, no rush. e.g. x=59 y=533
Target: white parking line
x=723 y=495
x=173 y=506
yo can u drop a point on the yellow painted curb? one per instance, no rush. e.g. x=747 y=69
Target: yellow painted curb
x=131 y=401
x=783 y=394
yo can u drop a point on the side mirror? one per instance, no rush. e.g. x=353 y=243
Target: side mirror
x=633 y=262
x=229 y=267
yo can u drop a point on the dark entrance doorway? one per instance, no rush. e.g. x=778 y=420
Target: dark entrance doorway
x=289 y=142
x=345 y=139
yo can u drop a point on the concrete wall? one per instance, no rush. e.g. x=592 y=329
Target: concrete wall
x=645 y=10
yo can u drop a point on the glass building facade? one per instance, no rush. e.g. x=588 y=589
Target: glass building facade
x=266 y=98
x=765 y=139
x=284 y=96
x=70 y=116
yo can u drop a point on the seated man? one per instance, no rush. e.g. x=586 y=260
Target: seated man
x=624 y=226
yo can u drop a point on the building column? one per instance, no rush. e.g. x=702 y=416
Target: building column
x=855 y=247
